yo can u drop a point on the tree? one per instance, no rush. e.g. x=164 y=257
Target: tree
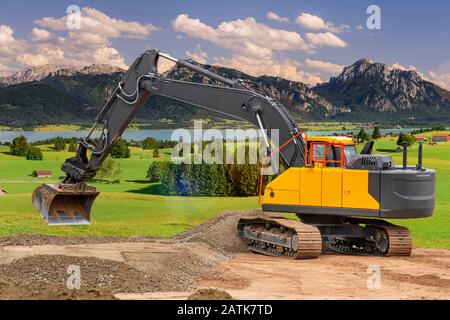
x=60 y=144
x=407 y=139
x=72 y=147
x=20 y=146
x=154 y=172
x=156 y=153
x=376 y=133
x=362 y=136
x=150 y=144
x=34 y=153
x=120 y=149
x=110 y=171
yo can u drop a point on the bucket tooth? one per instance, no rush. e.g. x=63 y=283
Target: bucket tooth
x=65 y=204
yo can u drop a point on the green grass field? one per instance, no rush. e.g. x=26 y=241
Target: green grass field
x=134 y=208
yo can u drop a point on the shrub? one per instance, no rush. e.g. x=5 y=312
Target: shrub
x=407 y=139
x=19 y=146
x=376 y=133
x=156 y=153
x=154 y=172
x=34 y=153
x=362 y=136
x=110 y=171
x=206 y=179
x=120 y=149
x=60 y=144
x=150 y=144
x=72 y=147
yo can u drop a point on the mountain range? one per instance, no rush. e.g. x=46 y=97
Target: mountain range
x=364 y=91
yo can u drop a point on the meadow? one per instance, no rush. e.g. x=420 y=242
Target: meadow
x=134 y=207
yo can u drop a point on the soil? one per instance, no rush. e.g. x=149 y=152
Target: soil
x=205 y=263
x=14 y=290
x=210 y=294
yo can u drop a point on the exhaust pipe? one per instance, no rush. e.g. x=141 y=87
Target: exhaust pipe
x=405 y=157
x=65 y=204
x=419 y=157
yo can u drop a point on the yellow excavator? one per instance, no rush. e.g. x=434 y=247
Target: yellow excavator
x=340 y=197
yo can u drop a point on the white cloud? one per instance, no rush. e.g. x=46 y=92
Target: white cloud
x=442 y=80
x=198 y=55
x=325 y=39
x=359 y=27
x=255 y=47
x=314 y=22
x=96 y=22
x=38 y=35
x=324 y=66
x=246 y=37
x=284 y=68
x=275 y=17
x=9 y=45
x=5 y=70
x=91 y=44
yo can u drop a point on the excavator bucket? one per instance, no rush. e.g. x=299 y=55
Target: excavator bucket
x=64 y=204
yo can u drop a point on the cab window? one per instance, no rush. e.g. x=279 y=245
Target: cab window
x=349 y=151
x=318 y=152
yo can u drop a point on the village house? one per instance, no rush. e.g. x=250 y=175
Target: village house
x=42 y=174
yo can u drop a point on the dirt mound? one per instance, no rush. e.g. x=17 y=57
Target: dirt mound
x=95 y=273
x=13 y=290
x=220 y=233
x=210 y=294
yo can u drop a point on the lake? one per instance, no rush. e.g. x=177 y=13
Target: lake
x=138 y=135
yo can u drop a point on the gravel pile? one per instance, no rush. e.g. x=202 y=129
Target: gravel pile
x=52 y=269
x=220 y=233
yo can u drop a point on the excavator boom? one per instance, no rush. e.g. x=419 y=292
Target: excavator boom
x=70 y=201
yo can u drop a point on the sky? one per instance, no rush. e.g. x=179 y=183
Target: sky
x=307 y=41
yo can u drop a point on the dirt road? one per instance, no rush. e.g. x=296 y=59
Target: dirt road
x=174 y=269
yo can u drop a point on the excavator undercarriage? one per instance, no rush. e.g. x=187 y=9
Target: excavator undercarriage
x=274 y=235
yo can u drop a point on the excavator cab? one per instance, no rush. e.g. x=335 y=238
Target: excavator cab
x=329 y=152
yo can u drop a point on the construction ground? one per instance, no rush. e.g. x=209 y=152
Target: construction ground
x=208 y=257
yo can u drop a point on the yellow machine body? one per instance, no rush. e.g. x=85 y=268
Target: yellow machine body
x=322 y=187
x=313 y=188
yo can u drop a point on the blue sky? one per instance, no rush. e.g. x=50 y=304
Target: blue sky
x=413 y=34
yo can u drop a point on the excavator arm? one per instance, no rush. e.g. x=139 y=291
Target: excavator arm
x=142 y=81
x=70 y=201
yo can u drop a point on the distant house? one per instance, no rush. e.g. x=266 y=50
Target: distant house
x=421 y=139
x=42 y=174
x=441 y=137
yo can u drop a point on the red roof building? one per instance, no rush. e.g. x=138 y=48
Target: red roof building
x=441 y=137
x=42 y=174
x=421 y=138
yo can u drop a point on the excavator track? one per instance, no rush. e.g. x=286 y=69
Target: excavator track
x=373 y=237
x=400 y=239
x=275 y=235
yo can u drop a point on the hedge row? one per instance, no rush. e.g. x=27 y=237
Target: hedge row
x=206 y=179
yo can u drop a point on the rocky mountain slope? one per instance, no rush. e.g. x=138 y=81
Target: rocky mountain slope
x=41 y=72
x=376 y=89
x=364 y=91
